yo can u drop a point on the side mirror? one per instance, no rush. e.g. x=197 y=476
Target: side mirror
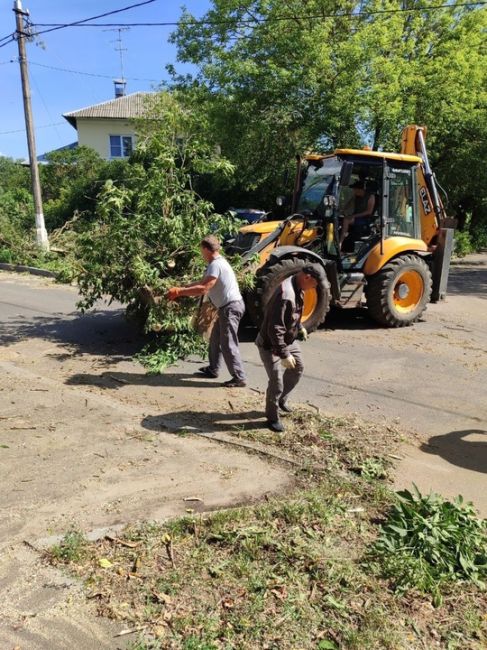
x=346 y=173
x=280 y=201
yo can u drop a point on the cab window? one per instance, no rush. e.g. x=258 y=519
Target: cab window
x=318 y=180
x=369 y=177
x=400 y=220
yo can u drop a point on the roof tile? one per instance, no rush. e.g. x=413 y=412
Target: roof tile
x=126 y=107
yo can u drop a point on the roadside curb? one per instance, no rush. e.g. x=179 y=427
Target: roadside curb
x=20 y=268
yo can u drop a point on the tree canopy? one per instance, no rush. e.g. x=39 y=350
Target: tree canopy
x=279 y=78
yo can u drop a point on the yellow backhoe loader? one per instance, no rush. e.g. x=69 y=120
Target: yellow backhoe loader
x=395 y=259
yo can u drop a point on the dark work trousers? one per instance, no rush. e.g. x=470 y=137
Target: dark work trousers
x=224 y=340
x=281 y=381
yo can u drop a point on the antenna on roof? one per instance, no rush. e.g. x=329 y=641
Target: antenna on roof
x=121 y=83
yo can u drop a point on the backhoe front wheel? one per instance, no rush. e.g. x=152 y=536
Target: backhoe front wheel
x=398 y=294
x=270 y=276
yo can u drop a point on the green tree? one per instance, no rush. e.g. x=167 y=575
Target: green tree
x=16 y=211
x=72 y=180
x=278 y=78
x=146 y=233
x=13 y=175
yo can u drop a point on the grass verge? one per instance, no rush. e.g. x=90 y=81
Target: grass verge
x=292 y=572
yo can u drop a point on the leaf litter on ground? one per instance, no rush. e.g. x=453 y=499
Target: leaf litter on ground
x=291 y=572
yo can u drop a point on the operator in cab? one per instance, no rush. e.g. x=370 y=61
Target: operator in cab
x=361 y=205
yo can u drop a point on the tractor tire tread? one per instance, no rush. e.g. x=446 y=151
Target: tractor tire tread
x=270 y=276
x=378 y=288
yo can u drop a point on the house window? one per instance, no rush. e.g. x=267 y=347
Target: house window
x=121 y=146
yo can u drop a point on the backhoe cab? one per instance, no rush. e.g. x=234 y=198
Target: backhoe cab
x=395 y=259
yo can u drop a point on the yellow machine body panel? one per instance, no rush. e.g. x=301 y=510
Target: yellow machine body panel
x=391 y=247
x=409 y=138
x=427 y=217
x=261 y=228
x=293 y=235
x=379 y=154
x=367 y=154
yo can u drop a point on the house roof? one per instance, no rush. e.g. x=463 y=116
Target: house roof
x=43 y=158
x=126 y=107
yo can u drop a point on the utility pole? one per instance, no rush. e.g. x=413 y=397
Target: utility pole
x=21 y=35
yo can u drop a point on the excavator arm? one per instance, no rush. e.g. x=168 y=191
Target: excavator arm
x=436 y=227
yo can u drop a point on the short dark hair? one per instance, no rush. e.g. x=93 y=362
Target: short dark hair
x=211 y=243
x=313 y=270
x=358 y=185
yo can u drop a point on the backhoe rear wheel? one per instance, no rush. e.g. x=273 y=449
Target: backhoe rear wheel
x=398 y=294
x=269 y=277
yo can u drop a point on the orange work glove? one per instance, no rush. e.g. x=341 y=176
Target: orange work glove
x=173 y=293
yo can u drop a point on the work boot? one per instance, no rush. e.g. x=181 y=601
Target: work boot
x=277 y=427
x=207 y=372
x=285 y=408
x=234 y=383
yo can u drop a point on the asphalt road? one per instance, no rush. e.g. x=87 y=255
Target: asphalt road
x=82 y=447
x=430 y=378
x=78 y=416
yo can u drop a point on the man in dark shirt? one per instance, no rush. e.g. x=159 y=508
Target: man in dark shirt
x=361 y=205
x=278 y=341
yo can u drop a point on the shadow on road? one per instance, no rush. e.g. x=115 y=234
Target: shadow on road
x=336 y=319
x=106 y=333
x=470 y=454
x=205 y=421
x=114 y=380
x=349 y=319
x=469 y=279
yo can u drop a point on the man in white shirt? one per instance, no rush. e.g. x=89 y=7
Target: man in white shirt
x=221 y=286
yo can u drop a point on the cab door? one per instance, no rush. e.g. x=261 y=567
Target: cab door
x=400 y=204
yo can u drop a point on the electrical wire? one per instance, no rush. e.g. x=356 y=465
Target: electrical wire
x=7 y=42
x=88 y=74
x=46 y=107
x=249 y=22
x=77 y=23
x=44 y=126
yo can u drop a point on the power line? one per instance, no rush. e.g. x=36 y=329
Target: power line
x=82 y=72
x=77 y=23
x=249 y=22
x=88 y=74
x=44 y=126
x=7 y=42
x=46 y=107
x=4 y=38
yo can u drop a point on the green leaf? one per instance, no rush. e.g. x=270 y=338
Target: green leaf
x=326 y=644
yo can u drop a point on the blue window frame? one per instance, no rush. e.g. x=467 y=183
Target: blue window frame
x=121 y=146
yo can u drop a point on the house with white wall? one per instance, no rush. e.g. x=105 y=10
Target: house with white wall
x=108 y=127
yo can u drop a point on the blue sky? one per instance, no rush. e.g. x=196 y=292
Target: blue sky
x=85 y=49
